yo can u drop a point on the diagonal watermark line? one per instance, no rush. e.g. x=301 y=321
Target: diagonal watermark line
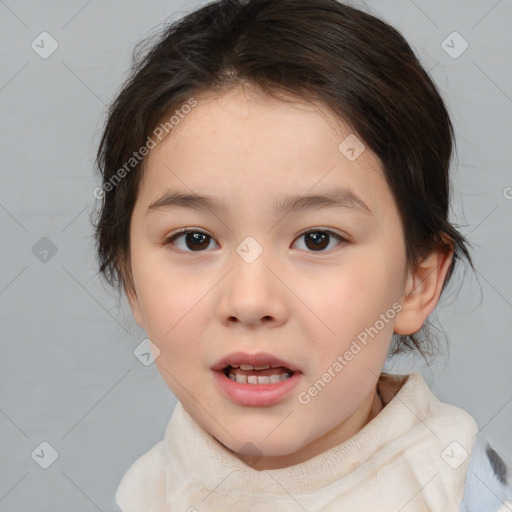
x=13 y=279
x=421 y=419
x=14 y=218
x=14 y=485
x=280 y=423
x=285 y=490
x=492 y=81
x=486 y=14
x=419 y=491
x=485 y=425
x=15 y=75
x=507 y=503
x=13 y=423
x=396 y=396
x=490 y=490
x=432 y=68
x=96 y=300
x=198 y=402
x=495 y=289
x=198 y=301
x=224 y=479
x=75 y=15
x=424 y=14
x=334 y=334
x=13 y=13
x=104 y=395
x=88 y=497
x=83 y=83
x=73 y=220
x=485 y=218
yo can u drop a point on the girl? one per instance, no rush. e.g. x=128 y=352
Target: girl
x=275 y=207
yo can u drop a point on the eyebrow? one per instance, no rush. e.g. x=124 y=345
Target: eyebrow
x=338 y=198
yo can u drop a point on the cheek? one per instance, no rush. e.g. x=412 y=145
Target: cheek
x=163 y=294
x=356 y=294
x=175 y=309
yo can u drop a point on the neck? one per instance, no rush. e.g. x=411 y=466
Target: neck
x=337 y=435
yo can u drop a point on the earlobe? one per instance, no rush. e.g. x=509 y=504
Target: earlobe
x=422 y=291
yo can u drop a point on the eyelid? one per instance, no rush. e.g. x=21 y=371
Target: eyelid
x=174 y=235
x=341 y=238
x=321 y=229
x=186 y=230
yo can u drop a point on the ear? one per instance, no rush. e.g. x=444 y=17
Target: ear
x=422 y=290
x=133 y=300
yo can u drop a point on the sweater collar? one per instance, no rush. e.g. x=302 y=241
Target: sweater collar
x=192 y=451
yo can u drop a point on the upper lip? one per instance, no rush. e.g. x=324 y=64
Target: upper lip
x=259 y=359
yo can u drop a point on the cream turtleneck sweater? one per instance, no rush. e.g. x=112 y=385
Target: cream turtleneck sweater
x=408 y=458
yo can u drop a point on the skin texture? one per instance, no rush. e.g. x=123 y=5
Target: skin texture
x=303 y=305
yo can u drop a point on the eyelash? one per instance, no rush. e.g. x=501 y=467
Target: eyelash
x=173 y=236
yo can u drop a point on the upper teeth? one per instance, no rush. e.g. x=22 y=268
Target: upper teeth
x=250 y=367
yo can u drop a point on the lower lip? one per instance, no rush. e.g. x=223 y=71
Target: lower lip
x=256 y=395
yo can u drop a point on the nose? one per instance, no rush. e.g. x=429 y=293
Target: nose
x=252 y=294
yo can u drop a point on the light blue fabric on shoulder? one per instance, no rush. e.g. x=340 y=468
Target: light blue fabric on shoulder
x=488 y=481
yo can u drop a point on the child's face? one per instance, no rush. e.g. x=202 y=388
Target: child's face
x=304 y=299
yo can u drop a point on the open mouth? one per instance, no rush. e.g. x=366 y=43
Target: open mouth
x=256 y=380
x=249 y=374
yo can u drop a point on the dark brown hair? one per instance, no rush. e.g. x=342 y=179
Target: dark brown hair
x=353 y=62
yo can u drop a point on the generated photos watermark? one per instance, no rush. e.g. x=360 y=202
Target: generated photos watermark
x=305 y=397
x=137 y=156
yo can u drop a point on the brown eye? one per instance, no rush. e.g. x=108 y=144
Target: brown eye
x=318 y=240
x=194 y=241
x=197 y=241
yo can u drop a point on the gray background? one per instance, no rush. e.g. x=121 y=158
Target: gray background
x=68 y=375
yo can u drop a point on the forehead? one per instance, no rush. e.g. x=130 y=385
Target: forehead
x=247 y=111
x=248 y=145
